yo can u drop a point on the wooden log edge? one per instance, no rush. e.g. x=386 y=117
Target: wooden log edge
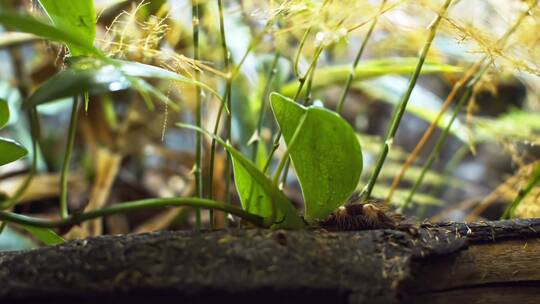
x=500 y=265
x=495 y=262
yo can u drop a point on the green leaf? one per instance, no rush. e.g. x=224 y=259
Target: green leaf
x=10 y=151
x=84 y=76
x=78 y=17
x=287 y=216
x=142 y=70
x=326 y=154
x=4 y=113
x=135 y=69
x=262 y=154
x=335 y=75
x=47 y=236
x=29 y=24
x=252 y=196
x=96 y=76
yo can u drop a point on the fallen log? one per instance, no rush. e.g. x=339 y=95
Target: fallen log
x=492 y=262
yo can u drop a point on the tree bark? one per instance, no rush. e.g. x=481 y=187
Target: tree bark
x=492 y=262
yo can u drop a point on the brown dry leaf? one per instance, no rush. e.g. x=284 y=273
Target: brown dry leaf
x=42 y=186
x=117 y=224
x=163 y=219
x=107 y=165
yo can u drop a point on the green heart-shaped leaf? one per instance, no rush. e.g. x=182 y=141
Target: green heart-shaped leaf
x=326 y=154
x=4 y=113
x=10 y=151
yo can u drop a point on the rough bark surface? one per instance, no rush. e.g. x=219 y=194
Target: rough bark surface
x=262 y=266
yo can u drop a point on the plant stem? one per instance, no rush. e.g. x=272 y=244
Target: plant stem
x=299 y=53
x=34 y=128
x=454 y=161
x=195 y=7
x=226 y=100
x=264 y=102
x=399 y=111
x=10 y=202
x=308 y=96
x=307 y=100
x=469 y=90
x=523 y=192
x=129 y=207
x=254 y=41
x=67 y=158
x=427 y=134
x=446 y=174
x=388 y=8
x=232 y=73
x=301 y=81
x=438 y=146
x=350 y=78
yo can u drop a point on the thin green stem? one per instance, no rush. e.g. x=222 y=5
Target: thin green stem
x=299 y=53
x=533 y=181
x=350 y=78
x=264 y=102
x=228 y=136
x=454 y=161
x=12 y=201
x=509 y=212
x=255 y=41
x=213 y=147
x=400 y=110
x=67 y=158
x=226 y=100
x=301 y=81
x=307 y=100
x=23 y=84
x=195 y=8
x=285 y=171
x=131 y=206
x=466 y=95
x=227 y=97
x=438 y=146
x=34 y=128
x=308 y=96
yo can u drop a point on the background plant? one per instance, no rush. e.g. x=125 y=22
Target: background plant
x=213 y=64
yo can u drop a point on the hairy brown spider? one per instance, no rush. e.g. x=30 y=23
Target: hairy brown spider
x=372 y=214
